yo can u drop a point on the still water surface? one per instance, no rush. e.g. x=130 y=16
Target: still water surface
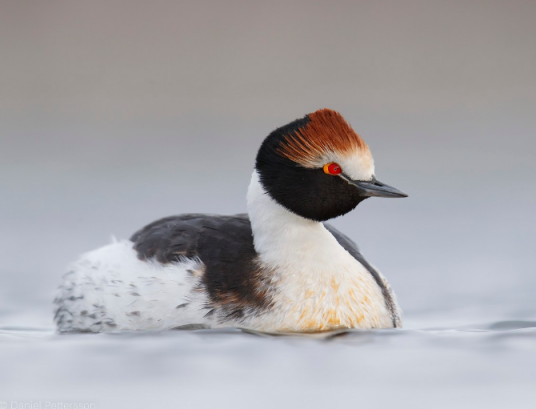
x=466 y=363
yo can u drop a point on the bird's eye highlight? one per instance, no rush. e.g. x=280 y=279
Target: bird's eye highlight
x=332 y=168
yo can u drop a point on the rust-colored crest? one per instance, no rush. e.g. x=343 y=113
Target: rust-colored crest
x=326 y=131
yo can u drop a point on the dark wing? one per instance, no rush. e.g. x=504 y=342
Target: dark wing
x=225 y=246
x=352 y=248
x=209 y=237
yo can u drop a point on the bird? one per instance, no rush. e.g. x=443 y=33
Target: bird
x=280 y=268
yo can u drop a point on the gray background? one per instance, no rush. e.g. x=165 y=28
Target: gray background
x=115 y=113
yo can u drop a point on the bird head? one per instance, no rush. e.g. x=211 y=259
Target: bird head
x=318 y=167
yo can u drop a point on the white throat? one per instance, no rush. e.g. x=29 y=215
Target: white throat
x=284 y=239
x=320 y=285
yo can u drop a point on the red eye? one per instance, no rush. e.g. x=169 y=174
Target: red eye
x=332 y=168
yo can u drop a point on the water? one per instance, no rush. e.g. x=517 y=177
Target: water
x=469 y=365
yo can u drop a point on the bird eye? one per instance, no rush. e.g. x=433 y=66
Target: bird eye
x=332 y=168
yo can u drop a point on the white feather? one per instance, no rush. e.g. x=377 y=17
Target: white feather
x=110 y=289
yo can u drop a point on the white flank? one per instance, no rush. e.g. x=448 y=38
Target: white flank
x=110 y=289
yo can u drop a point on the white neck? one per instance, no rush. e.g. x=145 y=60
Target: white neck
x=320 y=285
x=283 y=238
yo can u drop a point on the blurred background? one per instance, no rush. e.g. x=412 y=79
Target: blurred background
x=115 y=113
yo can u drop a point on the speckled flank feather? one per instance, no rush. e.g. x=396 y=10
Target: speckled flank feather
x=110 y=289
x=325 y=132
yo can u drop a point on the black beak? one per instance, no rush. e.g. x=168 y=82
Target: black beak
x=374 y=188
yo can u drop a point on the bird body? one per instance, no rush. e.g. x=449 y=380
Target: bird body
x=279 y=268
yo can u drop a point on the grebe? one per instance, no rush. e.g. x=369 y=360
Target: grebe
x=279 y=268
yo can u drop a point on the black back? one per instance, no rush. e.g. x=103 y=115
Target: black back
x=232 y=278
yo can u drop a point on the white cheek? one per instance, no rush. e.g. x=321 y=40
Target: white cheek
x=359 y=165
